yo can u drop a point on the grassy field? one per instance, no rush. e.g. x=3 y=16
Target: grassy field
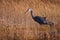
x=15 y=24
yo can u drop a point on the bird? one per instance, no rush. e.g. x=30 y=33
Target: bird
x=39 y=19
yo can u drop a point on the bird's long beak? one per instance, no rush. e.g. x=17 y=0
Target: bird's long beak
x=26 y=10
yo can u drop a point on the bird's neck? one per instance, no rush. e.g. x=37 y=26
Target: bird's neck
x=32 y=14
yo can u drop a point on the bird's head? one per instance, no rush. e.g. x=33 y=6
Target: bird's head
x=29 y=10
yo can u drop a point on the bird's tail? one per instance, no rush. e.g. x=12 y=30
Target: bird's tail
x=50 y=23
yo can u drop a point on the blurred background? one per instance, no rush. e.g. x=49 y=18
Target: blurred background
x=15 y=24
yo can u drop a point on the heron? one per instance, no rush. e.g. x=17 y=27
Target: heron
x=39 y=19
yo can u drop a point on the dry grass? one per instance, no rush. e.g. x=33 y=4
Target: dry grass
x=16 y=25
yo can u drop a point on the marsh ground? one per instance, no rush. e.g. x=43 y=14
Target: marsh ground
x=15 y=24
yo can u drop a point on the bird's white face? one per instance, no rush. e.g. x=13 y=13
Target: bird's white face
x=30 y=9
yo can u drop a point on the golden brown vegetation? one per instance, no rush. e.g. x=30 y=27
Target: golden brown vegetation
x=16 y=25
